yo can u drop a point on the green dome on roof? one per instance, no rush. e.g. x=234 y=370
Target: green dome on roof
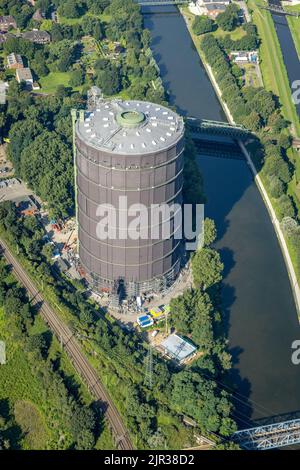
x=130 y=118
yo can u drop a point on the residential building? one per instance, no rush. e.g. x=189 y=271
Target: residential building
x=7 y=22
x=14 y=61
x=221 y=2
x=211 y=8
x=214 y=9
x=24 y=75
x=38 y=37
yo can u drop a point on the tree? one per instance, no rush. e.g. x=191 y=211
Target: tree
x=276 y=187
x=206 y=267
x=108 y=79
x=82 y=423
x=77 y=78
x=229 y=19
x=37 y=344
x=277 y=166
x=285 y=207
x=71 y=8
x=98 y=31
x=202 y=24
x=251 y=121
x=210 y=232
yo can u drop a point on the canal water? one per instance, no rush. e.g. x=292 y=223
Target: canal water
x=258 y=302
x=288 y=48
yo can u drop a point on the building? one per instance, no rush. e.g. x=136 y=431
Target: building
x=7 y=22
x=132 y=149
x=27 y=206
x=219 y=2
x=14 y=61
x=178 y=348
x=38 y=37
x=214 y=9
x=244 y=57
x=24 y=75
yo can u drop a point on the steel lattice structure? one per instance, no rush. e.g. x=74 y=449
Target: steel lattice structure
x=279 y=9
x=269 y=436
x=161 y=2
x=200 y=126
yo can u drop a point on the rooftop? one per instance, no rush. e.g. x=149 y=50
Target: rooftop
x=36 y=35
x=215 y=6
x=24 y=74
x=132 y=127
x=178 y=348
x=14 y=59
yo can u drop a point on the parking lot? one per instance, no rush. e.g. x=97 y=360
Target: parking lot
x=12 y=190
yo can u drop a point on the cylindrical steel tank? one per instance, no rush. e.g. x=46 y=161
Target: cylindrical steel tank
x=132 y=149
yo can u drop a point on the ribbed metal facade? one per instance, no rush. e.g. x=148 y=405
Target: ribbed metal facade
x=144 y=175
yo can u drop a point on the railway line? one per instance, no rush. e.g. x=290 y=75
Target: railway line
x=71 y=346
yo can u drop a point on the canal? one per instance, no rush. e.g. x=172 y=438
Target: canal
x=257 y=297
x=288 y=48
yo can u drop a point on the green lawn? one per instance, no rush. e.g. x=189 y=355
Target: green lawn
x=71 y=21
x=235 y=35
x=50 y=83
x=272 y=64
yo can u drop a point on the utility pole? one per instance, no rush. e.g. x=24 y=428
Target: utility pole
x=149 y=368
x=166 y=324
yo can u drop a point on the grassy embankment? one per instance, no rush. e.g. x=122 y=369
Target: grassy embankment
x=271 y=61
x=112 y=369
x=272 y=65
x=294 y=24
x=276 y=80
x=22 y=395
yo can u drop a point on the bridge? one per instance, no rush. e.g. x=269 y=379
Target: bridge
x=279 y=9
x=270 y=436
x=153 y=3
x=217 y=128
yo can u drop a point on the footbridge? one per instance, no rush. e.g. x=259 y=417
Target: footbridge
x=272 y=7
x=154 y=3
x=270 y=436
x=200 y=127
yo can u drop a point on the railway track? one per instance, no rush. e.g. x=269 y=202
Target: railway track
x=71 y=346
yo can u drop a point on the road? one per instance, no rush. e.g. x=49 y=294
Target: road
x=71 y=346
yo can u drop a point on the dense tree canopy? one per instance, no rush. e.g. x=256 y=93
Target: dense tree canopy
x=202 y=24
x=229 y=19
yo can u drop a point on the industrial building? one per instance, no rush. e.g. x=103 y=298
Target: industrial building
x=133 y=149
x=177 y=348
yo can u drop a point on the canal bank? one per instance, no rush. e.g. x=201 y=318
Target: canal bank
x=257 y=297
x=290 y=268
x=288 y=48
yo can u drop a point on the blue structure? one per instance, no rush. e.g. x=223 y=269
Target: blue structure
x=144 y=321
